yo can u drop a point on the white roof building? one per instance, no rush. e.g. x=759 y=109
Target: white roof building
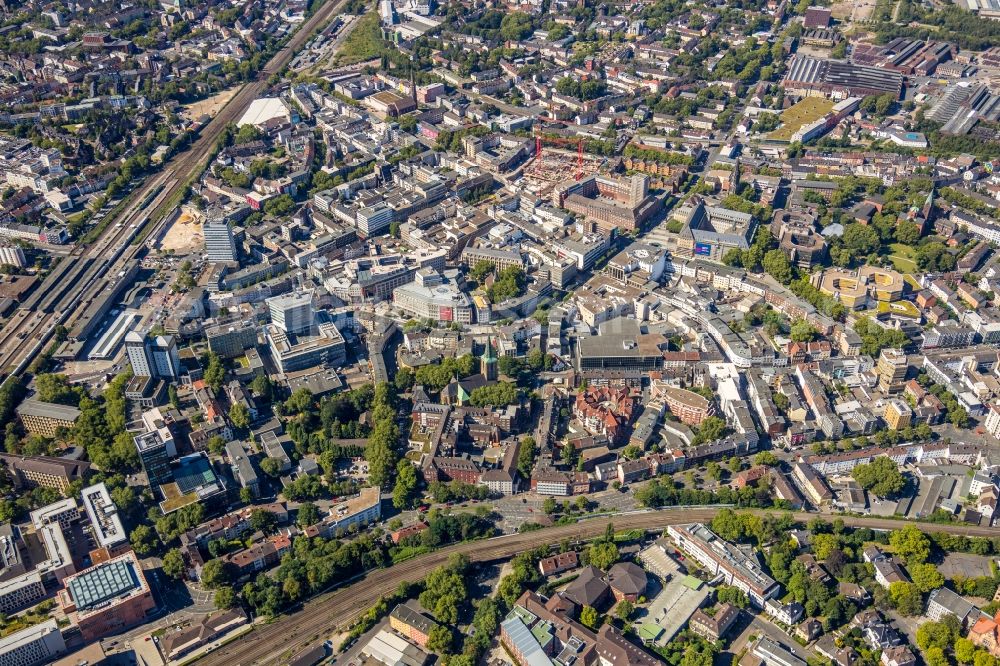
x=264 y=109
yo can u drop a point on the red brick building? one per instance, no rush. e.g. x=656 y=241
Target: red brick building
x=108 y=597
x=606 y=411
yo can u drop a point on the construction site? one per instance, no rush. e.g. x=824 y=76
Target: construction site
x=555 y=161
x=184 y=234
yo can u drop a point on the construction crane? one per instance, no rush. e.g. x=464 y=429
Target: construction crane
x=539 y=138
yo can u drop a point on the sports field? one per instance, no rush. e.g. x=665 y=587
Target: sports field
x=799 y=114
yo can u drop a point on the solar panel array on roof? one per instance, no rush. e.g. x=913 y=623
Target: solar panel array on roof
x=103 y=583
x=193 y=472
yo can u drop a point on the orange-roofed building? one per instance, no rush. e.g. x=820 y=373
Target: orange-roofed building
x=607 y=411
x=985 y=633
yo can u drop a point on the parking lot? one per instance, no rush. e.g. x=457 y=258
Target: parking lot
x=966 y=564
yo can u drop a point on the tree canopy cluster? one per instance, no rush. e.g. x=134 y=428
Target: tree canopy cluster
x=495 y=395
x=382 y=451
x=436 y=376
x=510 y=282
x=881 y=476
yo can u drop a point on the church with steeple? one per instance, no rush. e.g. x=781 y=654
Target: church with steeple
x=488 y=362
x=458 y=391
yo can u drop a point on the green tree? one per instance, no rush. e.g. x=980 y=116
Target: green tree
x=224 y=597
x=965 y=650
x=624 y=610
x=408 y=123
x=125 y=499
x=173 y=564
x=215 y=573
x=925 y=576
x=445 y=590
x=711 y=429
x=380 y=452
x=495 y=395
x=907 y=233
x=699 y=654
x=515 y=26
x=861 y=240
x=765 y=458
x=247 y=134
x=216 y=445
x=911 y=544
x=56 y=388
x=279 y=206
x=589 y=617
x=215 y=372
x=404 y=379
x=510 y=282
x=602 y=555
x=439 y=639
x=630 y=452
x=935 y=657
x=143 y=540
x=271 y=466
x=937 y=634
x=824 y=544
x=777 y=266
x=732 y=595
x=406 y=484
x=837 y=612
x=480 y=270
x=262 y=387
x=264 y=521
x=307 y=514
x=803 y=331
x=905 y=597
x=733 y=257
x=881 y=476
x=984 y=658
x=526 y=456
x=240 y=416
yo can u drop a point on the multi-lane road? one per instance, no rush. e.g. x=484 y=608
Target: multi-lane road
x=77 y=280
x=273 y=643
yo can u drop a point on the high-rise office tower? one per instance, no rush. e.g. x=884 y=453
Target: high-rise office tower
x=891 y=369
x=292 y=313
x=219 y=242
x=155 y=457
x=138 y=356
x=166 y=360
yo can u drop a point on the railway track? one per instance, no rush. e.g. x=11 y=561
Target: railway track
x=58 y=299
x=273 y=643
x=61 y=293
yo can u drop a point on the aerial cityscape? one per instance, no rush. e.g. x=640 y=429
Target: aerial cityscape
x=500 y=333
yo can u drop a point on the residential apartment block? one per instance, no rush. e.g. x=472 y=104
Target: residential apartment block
x=739 y=568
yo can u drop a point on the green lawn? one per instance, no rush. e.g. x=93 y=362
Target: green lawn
x=903 y=257
x=365 y=41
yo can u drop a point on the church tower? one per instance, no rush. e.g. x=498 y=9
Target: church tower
x=488 y=362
